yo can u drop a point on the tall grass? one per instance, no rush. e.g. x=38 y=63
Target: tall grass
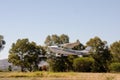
x=58 y=75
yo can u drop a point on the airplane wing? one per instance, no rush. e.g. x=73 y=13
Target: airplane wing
x=59 y=50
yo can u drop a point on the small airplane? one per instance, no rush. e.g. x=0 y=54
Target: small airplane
x=66 y=49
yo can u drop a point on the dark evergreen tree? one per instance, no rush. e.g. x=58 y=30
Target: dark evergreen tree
x=101 y=54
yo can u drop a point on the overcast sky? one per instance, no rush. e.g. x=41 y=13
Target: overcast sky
x=79 y=19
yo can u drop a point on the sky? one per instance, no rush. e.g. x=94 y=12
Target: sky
x=79 y=19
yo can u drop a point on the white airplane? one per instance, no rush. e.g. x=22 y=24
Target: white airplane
x=66 y=49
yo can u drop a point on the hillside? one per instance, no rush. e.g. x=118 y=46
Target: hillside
x=4 y=64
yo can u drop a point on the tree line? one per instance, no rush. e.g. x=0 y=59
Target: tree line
x=102 y=58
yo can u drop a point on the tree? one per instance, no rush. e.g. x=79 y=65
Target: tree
x=2 y=42
x=101 y=54
x=83 y=64
x=56 y=40
x=48 y=41
x=25 y=54
x=57 y=64
x=115 y=50
x=115 y=67
x=64 y=39
x=69 y=62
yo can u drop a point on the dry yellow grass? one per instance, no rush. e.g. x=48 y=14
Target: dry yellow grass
x=58 y=76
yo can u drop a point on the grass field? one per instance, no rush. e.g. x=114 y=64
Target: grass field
x=58 y=76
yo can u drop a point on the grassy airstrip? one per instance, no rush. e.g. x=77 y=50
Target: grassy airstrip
x=58 y=76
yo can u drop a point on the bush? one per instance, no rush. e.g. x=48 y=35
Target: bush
x=114 y=67
x=1 y=71
x=9 y=68
x=83 y=64
x=57 y=64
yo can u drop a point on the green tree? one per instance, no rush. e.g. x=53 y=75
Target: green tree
x=25 y=54
x=56 y=40
x=57 y=64
x=115 y=67
x=64 y=39
x=101 y=54
x=48 y=41
x=69 y=62
x=83 y=64
x=115 y=50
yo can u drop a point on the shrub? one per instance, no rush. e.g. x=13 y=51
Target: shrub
x=1 y=70
x=9 y=68
x=57 y=64
x=115 y=67
x=83 y=64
